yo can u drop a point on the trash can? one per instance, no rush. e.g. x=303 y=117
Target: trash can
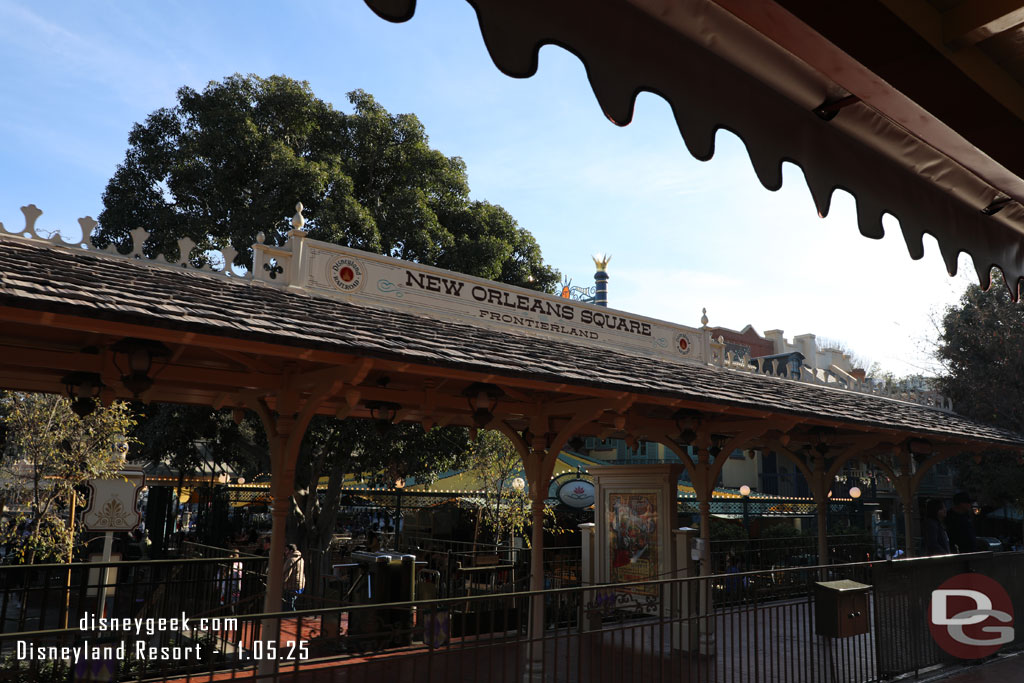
x=385 y=578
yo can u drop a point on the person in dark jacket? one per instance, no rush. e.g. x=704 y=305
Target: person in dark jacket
x=960 y=525
x=936 y=541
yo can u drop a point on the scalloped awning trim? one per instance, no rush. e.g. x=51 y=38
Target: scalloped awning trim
x=716 y=72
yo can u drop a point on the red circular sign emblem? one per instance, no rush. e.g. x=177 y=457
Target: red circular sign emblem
x=970 y=616
x=346 y=274
x=682 y=344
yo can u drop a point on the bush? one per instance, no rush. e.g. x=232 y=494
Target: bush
x=780 y=530
x=727 y=530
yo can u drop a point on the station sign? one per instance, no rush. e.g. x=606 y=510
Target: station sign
x=380 y=281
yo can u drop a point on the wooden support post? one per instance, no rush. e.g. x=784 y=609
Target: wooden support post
x=538 y=474
x=703 y=474
x=285 y=429
x=538 y=464
x=908 y=524
x=821 y=510
x=282 y=485
x=703 y=479
x=905 y=485
x=905 y=489
x=820 y=486
x=539 y=455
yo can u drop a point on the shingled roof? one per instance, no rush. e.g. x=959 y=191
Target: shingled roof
x=76 y=282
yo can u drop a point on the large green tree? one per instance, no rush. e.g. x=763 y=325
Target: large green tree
x=231 y=161
x=981 y=348
x=169 y=433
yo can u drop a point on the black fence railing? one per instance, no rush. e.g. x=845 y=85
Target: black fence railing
x=192 y=549
x=504 y=568
x=724 y=628
x=748 y=554
x=54 y=596
x=903 y=597
x=648 y=631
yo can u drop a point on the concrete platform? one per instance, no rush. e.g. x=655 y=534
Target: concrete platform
x=1002 y=670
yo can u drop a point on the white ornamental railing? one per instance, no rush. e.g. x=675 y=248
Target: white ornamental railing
x=775 y=367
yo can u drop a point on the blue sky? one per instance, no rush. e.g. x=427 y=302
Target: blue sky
x=683 y=234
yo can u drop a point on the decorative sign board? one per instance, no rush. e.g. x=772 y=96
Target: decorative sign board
x=113 y=503
x=375 y=280
x=634 y=514
x=633 y=538
x=576 y=493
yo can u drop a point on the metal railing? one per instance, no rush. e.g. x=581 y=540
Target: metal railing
x=451 y=558
x=771 y=553
x=627 y=632
x=51 y=596
x=903 y=593
x=658 y=630
x=191 y=549
x=725 y=628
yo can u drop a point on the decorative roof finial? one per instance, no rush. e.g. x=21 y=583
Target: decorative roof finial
x=601 y=261
x=298 y=220
x=704 y=317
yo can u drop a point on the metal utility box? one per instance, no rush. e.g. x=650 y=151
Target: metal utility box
x=841 y=608
x=385 y=577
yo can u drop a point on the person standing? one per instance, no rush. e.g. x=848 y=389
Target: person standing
x=960 y=525
x=885 y=536
x=294 y=576
x=230 y=581
x=936 y=540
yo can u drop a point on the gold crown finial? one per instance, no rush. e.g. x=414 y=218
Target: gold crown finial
x=601 y=261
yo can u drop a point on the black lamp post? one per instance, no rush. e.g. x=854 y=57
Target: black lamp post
x=745 y=492
x=399 y=485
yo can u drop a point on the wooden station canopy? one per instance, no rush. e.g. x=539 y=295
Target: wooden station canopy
x=916 y=107
x=326 y=330
x=237 y=342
